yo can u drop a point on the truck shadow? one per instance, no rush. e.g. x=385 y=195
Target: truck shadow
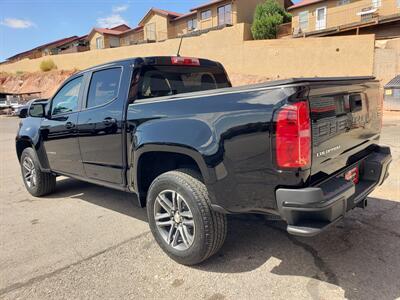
x=118 y=201
x=360 y=254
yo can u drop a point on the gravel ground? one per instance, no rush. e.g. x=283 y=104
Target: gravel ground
x=88 y=242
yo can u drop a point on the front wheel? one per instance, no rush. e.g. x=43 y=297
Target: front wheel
x=37 y=183
x=181 y=218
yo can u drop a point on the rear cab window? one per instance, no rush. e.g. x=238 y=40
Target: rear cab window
x=160 y=81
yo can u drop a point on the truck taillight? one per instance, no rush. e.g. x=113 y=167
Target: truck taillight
x=293 y=136
x=187 y=61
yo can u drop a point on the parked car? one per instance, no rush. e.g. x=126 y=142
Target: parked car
x=193 y=149
x=3 y=103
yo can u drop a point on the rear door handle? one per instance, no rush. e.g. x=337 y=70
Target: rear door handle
x=69 y=125
x=109 y=121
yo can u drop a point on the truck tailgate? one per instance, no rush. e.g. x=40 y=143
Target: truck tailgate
x=346 y=121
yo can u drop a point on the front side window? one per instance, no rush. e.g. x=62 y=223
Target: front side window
x=225 y=15
x=99 y=43
x=103 y=87
x=192 y=24
x=66 y=100
x=303 y=20
x=206 y=14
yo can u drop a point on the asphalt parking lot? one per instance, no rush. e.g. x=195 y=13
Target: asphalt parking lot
x=86 y=241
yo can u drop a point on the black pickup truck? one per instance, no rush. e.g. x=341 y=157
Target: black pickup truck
x=193 y=149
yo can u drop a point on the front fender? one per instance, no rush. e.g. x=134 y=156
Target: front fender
x=29 y=135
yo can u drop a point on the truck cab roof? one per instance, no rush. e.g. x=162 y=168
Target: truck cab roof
x=156 y=61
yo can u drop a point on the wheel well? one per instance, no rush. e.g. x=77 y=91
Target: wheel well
x=21 y=146
x=153 y=164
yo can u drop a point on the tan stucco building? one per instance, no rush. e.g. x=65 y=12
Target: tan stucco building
x=157 y=25
x=66 y=45
x=160 y=24
x=333 y=17
x=132 y=37
x=101 y=38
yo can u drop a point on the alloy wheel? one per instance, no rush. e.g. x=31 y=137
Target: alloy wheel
x=29 y=172
x=174 y=220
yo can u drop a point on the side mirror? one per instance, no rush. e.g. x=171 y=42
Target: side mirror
x=36 y=110
x=23 y=113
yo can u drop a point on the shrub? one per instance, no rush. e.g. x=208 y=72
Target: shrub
x=267 y=17
x=47 y=65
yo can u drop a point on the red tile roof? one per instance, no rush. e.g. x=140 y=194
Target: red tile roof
x=206 y=4
x=117 y=30
x=107 y=31
x=53 y=44
x=122 y=27
x=133 y=29
x=304 y=3
x=167 y=12
x=185 y=15
x=162 y=12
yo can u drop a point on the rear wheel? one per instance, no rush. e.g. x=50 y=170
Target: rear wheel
x=37 y=183
x=181 y=218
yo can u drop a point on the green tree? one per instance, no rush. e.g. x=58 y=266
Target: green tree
x=267 y=17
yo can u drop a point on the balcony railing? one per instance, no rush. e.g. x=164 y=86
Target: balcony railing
x=284 y=30
x=354 y=14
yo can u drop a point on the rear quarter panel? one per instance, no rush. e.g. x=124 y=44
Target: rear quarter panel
x=229 y=131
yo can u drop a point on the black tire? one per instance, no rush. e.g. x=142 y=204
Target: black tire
x=44 y=183
x=211 y=226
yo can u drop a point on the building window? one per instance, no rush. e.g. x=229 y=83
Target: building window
x=99 y=43
x=376 y=3
x=225 y=15
x=192 y=24
x=303 y=20
x=206 y=14
x=151 y=32
x=343 y=2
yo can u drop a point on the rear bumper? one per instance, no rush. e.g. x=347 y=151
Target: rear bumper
x=308 y=211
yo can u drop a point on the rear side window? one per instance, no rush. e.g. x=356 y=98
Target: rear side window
x=166 y=80
x=104 y=87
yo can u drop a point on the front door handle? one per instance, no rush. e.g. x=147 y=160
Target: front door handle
x=69 y=125
x=109 y=121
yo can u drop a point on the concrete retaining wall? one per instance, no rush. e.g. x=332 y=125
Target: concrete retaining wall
x=327 y=56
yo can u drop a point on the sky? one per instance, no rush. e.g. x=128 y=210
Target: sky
x=26 y=24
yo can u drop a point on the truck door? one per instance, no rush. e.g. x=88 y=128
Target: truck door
x=59 y=130
x=100 y=124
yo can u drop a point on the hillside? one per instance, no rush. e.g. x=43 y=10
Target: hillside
x=48 y=82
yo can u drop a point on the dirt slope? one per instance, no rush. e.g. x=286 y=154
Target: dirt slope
x=47 y=83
